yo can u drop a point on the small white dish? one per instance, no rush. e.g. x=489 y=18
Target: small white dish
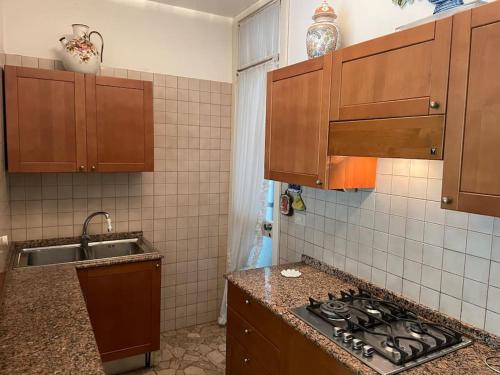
x=291 y=273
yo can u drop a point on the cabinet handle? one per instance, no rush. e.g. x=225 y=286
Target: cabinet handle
x=446 y=200
x=318 y=182
x=246 y=360
x=157 y=265
x=246 y=331
x=92 y=168
x=433 y=151
x=82 y=167
x=247 y=302
x=434 y=105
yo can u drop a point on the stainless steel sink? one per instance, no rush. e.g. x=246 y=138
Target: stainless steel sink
x=116 y=248
x=40 y=256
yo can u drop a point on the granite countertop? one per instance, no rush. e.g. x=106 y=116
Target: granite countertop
x=44 y=323
x=280 y=294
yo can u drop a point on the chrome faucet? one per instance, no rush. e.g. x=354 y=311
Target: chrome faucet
x=85 y=237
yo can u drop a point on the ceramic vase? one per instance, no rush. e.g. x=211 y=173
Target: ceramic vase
x=444 y=5
x=79 y=54
x=323 y=35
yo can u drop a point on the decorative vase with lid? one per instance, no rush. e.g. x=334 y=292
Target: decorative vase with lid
x=79 y=54
x=323 y=35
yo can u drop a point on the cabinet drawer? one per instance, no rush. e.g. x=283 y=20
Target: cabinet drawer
x=406 y=137
x=398 y=75
x=255 y=314
x=240 y=362
x=255 y=344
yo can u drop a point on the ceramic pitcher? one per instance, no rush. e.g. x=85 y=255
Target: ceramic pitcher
x=79 y=54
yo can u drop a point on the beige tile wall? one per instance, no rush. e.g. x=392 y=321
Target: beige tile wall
x=181 y=207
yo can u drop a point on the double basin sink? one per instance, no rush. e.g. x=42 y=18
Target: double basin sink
x=41 y=256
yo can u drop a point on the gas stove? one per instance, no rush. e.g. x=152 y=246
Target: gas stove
x=383 y=335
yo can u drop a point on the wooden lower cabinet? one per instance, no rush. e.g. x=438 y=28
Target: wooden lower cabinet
x=123 y=302
x=261 y=343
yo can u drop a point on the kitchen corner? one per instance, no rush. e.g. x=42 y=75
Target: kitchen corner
x=44 y=319
x=279 y=295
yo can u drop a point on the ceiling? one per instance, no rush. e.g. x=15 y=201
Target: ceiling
x=227 y=8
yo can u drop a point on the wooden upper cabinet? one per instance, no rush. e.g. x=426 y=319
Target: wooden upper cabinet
x=471 y=181
x=61 y=121
x=297 y=121
x=399 y=75
x=45 y=113
x=119 y=124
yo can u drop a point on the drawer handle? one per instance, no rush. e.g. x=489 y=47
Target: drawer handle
x=434 y=105
x=446 y=200
x=246 y=360
x=247 y=302
x=246 y=331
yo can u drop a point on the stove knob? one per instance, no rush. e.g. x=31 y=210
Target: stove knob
x=368 y=351
x=357 y=344
x=347 y=337
x=337 y=331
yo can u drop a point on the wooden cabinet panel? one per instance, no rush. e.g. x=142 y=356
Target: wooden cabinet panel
x=297 y=122
x=240 y=362
x=471 y=181
x=45 y=112
x=302 y=356
x=123 y=302
x=270 y=346
x=257 y=346
x=406 y=137
x=254 y=313
x=119 y=124
x=298 y=103
x=393 y=76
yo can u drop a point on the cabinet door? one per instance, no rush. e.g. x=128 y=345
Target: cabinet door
x=471 y=181
x=45 y=112
x=119 y=124
x=297 y=122
x=240 y=362
x=302 y=356
x=123 y=302
x=399 y=75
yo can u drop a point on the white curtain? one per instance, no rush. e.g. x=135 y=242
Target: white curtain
x=258 y=41
x=258 y=36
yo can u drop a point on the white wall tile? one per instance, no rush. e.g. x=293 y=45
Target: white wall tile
x=481 y=223
x=429 y=297
x=479 y=244
x=492 y=323
x=454 y=262
x=450 y=306
x=431 y=277
x=455 y=239
x=452 y=284
x=493 y=299
x=494 y=272
x=477 y=269
x=457 y=219
x=473 y=314
x=475 y=292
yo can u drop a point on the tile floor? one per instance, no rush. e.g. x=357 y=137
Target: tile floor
x=199 y=350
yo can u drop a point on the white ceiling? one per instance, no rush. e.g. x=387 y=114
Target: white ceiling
x=227 y=8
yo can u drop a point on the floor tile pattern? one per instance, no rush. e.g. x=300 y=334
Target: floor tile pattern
x=199 y=350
